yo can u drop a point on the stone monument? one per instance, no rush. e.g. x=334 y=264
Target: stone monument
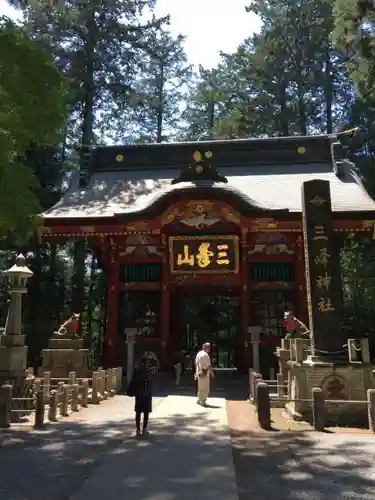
x=66 y=352
x=324 y=361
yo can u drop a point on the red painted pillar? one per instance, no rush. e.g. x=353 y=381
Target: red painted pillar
x=165 y=319
x=245 y=303
x=300 y=275
x=112 y=336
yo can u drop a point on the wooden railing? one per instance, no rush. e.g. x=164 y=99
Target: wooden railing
x=53 y=398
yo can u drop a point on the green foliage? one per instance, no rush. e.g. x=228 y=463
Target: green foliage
x=286 y=80
x=354 y=33
x=99 y=49
x=358 y=280
x=32 y=111
x=160 y=87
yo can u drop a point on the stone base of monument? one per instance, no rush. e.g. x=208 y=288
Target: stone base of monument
x=344 y=387
x=13 y=357
x=65 y=355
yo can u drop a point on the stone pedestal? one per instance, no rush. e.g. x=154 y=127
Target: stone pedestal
x=339 y=383
x=13 y=371
x=283 y=353
x=13 y=356
x=65 y=355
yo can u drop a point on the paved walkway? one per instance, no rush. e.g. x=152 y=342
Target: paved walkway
x=189 y=455
x=94 y=455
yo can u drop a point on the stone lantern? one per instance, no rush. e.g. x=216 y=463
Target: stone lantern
x=13 y=352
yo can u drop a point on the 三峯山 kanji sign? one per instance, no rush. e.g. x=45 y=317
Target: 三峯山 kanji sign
x=204 y=254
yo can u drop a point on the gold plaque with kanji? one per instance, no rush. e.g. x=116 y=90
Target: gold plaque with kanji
x=204 y=254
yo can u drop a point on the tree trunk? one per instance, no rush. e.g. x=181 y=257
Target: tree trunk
x=159 y=126
x=78 y=279
x=328 y=94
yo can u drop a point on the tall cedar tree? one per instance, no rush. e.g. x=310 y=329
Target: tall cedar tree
x=163 y=76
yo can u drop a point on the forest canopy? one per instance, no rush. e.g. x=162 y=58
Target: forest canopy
x=33 y=109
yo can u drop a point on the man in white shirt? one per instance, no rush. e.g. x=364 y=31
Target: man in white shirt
x=203 y=373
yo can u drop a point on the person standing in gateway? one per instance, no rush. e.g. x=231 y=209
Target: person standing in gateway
x=203 y=373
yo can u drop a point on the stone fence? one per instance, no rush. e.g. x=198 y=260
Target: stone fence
x=261 y=397
x=52 y=398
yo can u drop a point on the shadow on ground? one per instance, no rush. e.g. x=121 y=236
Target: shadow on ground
x=291 y=465
x=185 y=456
x=182 y=456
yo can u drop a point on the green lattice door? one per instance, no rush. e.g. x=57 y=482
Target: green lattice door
x=214 y=318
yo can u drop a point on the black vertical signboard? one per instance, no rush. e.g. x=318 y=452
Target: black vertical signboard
x=323 y=276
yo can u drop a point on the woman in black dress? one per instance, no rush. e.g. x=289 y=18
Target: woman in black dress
x=141 y=388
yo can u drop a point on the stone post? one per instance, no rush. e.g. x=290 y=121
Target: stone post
x=5 y=405
x=37 y=385
x=371 y=409
x=300 y=346
x=284 y=354
x=39 y=410
x=254 y=332
x=95 y=389
x=118 y=376
x=318 y=409
x=102 y=384
x=365 y=350
x=53 y=405
x=84 y=393
x=75 y=397
x=257 y=377
x=250 y=383
x=111 y=381
x=353 y=351
x=64 y=407
x=46 y=385
x=72 y=378
x=130 y=342
x=280 y=385
x=263 y=406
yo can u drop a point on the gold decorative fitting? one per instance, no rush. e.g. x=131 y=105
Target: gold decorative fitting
x=120 y=157
x=200 y=209
x=197 y=157
x=301 y=150
x=199 y=169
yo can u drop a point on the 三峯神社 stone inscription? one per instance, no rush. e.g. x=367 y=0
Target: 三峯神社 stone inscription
x=323 y=276
x=204 y=254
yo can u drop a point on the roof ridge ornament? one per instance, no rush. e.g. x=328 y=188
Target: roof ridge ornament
x=201 y=169
x=342 y=166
